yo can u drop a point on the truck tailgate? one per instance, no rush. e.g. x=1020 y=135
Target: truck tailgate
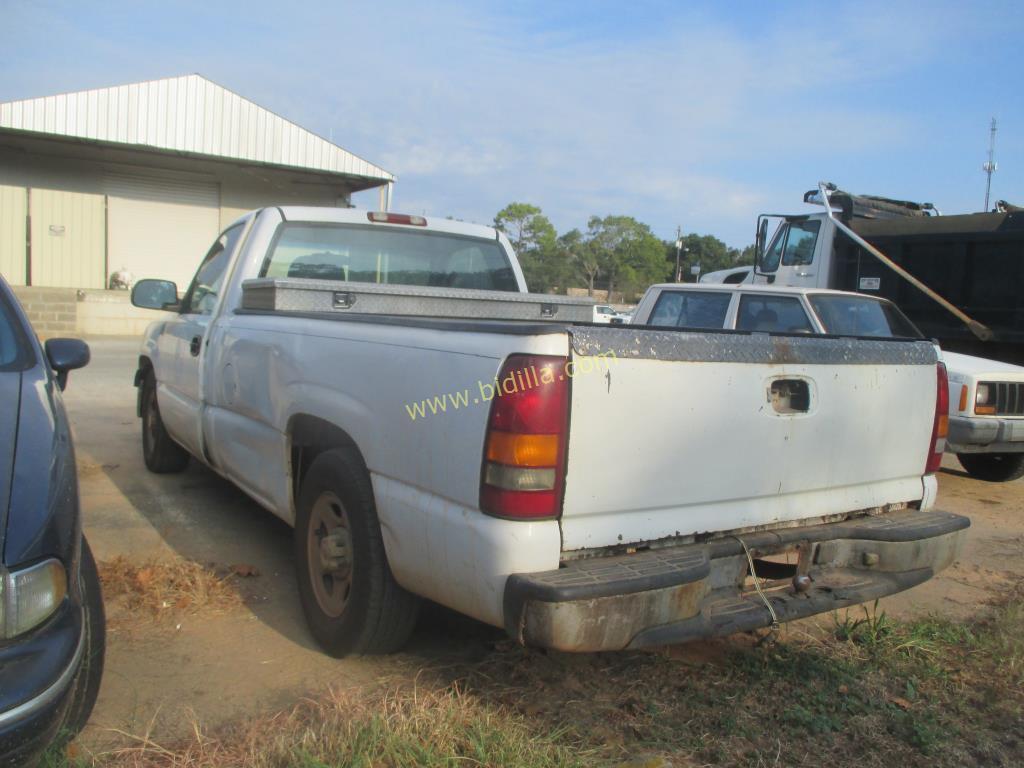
x=680 y=433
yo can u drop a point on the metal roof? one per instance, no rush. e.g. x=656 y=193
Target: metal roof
x=187 y=114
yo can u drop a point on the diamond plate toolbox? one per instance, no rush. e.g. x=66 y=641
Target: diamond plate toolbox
x=290 y=294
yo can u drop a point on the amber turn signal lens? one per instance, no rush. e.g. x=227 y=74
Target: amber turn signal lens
x=522 y=450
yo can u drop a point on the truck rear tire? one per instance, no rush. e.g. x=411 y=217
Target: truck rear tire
x=993 y=467
x=161 y=454
x=351 y=600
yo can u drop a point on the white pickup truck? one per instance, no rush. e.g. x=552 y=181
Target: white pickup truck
x=462 y=459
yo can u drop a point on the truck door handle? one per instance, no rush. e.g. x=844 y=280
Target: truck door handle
x=789 y=396
x=194 y=345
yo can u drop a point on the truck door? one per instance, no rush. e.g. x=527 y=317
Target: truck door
x=181 y=403
x=795 y=255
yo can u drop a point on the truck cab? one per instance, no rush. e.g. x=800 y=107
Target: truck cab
x=808 y=250
x=799 y=253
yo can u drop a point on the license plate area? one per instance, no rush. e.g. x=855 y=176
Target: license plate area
x=785 y=568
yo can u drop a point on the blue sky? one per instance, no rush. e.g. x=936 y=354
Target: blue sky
x=699 y=114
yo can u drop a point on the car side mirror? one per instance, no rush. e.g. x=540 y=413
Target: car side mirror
x=66 y=355
x=156 y=294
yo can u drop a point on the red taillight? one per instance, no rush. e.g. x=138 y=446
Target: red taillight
x=381 y=217
x=940 y=428
x=524 y=452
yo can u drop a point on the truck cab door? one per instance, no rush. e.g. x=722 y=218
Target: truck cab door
x=794 y=256
x=181 y=401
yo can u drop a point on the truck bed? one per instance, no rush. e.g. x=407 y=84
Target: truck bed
x=687 y=417
x=973 y=260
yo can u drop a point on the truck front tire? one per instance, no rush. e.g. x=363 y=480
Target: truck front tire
x=352 y=602
x=87 y=681
x=993 y=467
x=161 y=454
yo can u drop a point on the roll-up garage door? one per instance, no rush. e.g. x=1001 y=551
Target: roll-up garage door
x=160 y=227
x=13 y=213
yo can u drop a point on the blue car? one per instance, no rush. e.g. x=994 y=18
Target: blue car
x=51 y=609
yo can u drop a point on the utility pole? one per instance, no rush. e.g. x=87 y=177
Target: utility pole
x=679 y=249
x=990 y=167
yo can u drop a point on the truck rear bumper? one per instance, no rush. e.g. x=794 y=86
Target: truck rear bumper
x=676 y=594
x=985 y=435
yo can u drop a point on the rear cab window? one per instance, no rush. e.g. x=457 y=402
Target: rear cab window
x=772 y=314
x=691 y=309
x=375 y=254
x=862 y=316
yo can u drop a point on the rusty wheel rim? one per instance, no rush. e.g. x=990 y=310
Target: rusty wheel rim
x=329 y=553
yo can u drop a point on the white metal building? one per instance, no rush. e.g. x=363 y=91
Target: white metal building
x=143 y=177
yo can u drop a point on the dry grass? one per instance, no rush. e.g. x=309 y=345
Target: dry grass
x=158 y=588
x=398 y=727
x=860 y=691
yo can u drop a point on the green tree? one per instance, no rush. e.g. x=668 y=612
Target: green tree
x=533 y=238
x=560 y=268
x=617 y=252
x=707 y=251
x=582 y=260
x=629 y=255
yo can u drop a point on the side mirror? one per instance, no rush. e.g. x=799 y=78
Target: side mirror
x=155 y=294
x=66 y=355
x=762 y=238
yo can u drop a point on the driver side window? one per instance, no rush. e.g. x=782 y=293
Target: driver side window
x=773 y=255
x=800 y=243
x=202 y=294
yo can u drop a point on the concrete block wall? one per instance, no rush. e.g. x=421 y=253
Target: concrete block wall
x=74 y=312
x=110 y=313
x=52 y=311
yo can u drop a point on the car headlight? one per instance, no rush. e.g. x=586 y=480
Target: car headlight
x=984 y=400
x=29 y=597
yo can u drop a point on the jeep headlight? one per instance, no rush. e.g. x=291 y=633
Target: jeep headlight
x=985 y=399
x=982 y=395
x=29 y=596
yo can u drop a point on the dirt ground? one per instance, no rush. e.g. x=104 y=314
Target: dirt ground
x=218 y=665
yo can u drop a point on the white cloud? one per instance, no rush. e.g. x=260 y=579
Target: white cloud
x=656 y=126
x=688 y=117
